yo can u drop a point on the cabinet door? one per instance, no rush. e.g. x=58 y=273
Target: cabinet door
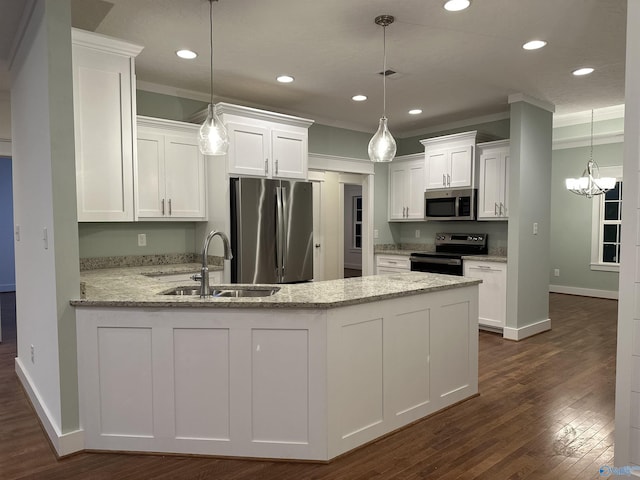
x=150 y=188
x=437 y=164
x=103 y=116
x=489 y=191
x=248 y=149
x=397 y=185
x=289 y=154
x=492 y=293
x=461 y=167
x=415 y=190
x=185 y=179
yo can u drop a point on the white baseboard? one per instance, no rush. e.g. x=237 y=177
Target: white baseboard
x=521 y=333
x=63 y=443
x=584 y=292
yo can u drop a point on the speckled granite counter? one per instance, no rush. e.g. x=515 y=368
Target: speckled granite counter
x=137 y=287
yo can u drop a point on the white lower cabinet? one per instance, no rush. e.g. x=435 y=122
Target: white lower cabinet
x=392 y=264
x=492 y=304
x=170 y=175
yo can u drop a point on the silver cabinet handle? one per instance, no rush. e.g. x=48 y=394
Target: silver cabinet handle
x=163 y=206
x=276 y=166
x=448 y=180
x=266 y=166
x=444 y=180
x=495 y=208
x=169 y=206
x=502 y=209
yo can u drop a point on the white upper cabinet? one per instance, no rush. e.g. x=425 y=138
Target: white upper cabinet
x=265 y=144
x=170 y=171
x=406 y=188
x=450 y=161
x=493 y=188
x=104 y=116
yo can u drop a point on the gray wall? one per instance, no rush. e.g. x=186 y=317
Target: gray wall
x=571 y=220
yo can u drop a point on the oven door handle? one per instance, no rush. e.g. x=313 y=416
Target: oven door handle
x=439 y=261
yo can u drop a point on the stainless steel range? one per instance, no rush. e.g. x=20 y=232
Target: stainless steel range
x=450 y=248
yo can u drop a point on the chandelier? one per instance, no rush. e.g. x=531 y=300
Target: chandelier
x=590 y=183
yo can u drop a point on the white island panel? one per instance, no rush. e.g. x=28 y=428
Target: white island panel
x=280 y=386
x=201 y=364
x=125 y=382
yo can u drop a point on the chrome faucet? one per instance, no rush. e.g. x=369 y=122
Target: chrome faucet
x=204 y=271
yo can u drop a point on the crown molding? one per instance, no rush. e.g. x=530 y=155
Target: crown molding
x=599 y=114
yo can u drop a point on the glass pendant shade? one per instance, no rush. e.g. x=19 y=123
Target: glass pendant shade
x=213 y=138
x=382 y=146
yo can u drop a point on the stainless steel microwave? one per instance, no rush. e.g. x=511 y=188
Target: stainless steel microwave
x=450 y=204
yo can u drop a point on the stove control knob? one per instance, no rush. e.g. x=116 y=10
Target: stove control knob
x=480 y=238
x=475 y=238
x=469 y=238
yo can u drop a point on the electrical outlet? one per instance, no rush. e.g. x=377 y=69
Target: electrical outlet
x=556 y=272
x=535 y=228
x=375 y=233
x=418 y=233
x=142 y=239
x=17 y=233
x=33 y=354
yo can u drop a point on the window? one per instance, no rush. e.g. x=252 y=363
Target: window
x=606 y=225
x=357 y=222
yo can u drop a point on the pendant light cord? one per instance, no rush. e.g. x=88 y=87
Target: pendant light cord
x=211 y=48
x=384 y=71
x=591 y=143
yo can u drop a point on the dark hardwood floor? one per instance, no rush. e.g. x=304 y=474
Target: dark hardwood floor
x=545 y=411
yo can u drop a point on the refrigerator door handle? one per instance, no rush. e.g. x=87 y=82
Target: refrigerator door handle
x=279 y=231
x=283 y=232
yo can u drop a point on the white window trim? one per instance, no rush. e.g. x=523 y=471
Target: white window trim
x=596 y=264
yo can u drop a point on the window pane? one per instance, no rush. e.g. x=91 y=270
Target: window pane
x=611 y=210
x=611 y=233
x=614 y=193
x=358 y=229
x=358 y=242
x=359 y=203
x=359 y=216
x=609 y=253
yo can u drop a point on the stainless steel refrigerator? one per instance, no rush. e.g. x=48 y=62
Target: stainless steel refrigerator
x=271 y=231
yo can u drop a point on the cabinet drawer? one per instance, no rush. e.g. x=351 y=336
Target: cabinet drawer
x=393 y=261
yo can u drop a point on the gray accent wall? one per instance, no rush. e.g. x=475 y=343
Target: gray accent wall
x=571 y=219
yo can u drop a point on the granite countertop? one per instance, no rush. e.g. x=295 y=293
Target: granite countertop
x=142 y=287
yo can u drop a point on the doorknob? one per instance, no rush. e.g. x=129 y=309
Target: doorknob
x=317 y=245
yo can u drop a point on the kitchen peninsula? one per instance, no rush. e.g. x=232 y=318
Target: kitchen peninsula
x=308 y=373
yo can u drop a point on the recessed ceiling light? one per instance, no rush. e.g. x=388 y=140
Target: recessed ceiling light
x=359 y=98
x=534 y=45
x=583 y=71
x=285 y=79
x=186 y=54
x=456 y=5
x=415 y=111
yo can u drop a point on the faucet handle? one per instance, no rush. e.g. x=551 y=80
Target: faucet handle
x=196 y=277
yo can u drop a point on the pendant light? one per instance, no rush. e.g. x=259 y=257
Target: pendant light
x=382 y=146
x=590 y=183
x=212 y=138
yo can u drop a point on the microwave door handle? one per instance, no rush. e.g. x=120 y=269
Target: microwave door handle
x=457 y=208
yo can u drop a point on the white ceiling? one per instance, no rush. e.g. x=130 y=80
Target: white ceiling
x=452 y=65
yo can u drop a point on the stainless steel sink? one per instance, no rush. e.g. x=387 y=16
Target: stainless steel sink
x=231 y=292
